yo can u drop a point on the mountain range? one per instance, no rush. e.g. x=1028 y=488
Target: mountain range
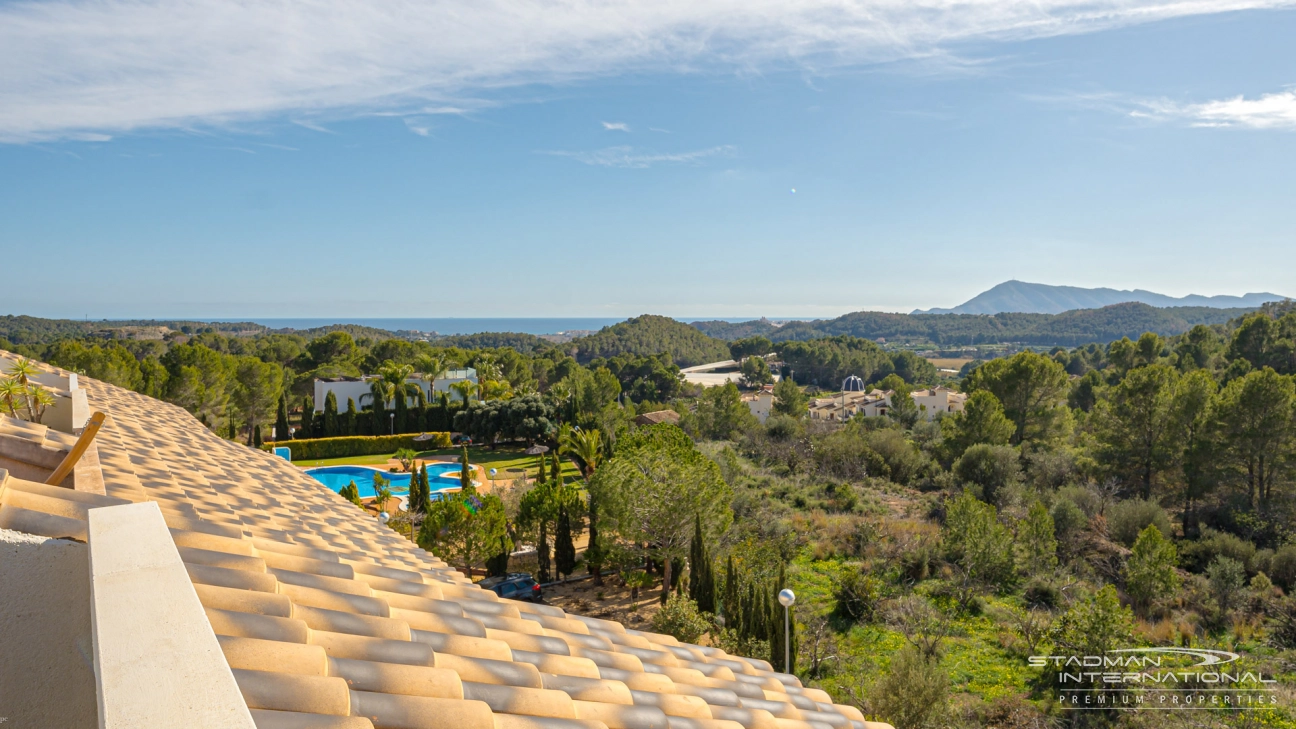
x=1033 y=298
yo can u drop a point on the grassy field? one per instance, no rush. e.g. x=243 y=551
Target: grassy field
x=501 y=459
x=949 y=363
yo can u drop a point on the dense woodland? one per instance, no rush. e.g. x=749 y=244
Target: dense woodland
x=1069 y=329
x=1139 y=492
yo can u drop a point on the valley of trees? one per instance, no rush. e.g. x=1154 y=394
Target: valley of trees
x=1133 y=493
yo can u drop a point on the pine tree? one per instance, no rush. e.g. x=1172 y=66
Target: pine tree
x=564 y=550
x=331 y=416
x=281 y=420
x=307 y=429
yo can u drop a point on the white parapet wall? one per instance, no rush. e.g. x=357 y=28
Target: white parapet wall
x=157 y=662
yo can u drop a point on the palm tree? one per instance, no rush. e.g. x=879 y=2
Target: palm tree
x=585 y=449
x=38 y=398
x=488 y=374
x=395 y=379
x=22 y=372
x=465 y=389
x=12 y=392
x=432 y=367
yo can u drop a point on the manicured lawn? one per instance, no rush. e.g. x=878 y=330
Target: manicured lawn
x=501 y=459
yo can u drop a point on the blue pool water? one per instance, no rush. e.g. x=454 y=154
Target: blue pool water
x=441 y=476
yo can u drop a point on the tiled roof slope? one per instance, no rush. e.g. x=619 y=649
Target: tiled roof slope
x=330 y=619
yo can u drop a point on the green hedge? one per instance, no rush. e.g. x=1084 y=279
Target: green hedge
x=359 y=445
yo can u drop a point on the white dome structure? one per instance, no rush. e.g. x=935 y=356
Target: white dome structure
x=853 y=384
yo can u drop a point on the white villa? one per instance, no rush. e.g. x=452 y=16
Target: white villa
x=939 y=400
x=357 y=388
x=761 y=402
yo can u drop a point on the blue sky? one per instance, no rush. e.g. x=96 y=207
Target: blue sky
x=611 y=159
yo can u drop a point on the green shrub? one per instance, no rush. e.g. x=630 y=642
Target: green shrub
x=1261 y=561
x=913 y=694
x=1068 y=519
x=359 y=445
x=1282 y=567
x=1042 y=594
x=1127 y=519
x=1150 y=571
x=993 y=470
x=1082 y=497
x=680 y=617
x=1227 y=577
x=857 y=594
x=1212 y=544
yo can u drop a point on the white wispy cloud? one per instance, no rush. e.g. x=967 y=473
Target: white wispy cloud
x=104 y=67
x=616 y=126
x=1269 y=111
x=632 y=158
x=417 y=127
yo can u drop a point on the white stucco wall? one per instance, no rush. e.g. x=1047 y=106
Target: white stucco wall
x=358 y=389
x=45 y=644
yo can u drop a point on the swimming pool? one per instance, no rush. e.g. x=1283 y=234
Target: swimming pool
x=441 y=476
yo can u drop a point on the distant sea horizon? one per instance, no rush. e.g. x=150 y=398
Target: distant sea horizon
x=456 y=325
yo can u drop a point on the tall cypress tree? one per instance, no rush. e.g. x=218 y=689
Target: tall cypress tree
x=331 y=416
x=497 y=566
x=401 y=410
x=425 y=493
x=415 y=496
x=729 y=600
x=564 y=550
x=701 y=571
x=379 y=423
x=256 y=437
x=555 y=470
x=281 y=419
x=307 y=429
x=349 y=425
x=542 y=553
x=465 y=473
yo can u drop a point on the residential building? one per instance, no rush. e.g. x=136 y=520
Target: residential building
x=847 y=405
x=657 y=417
x=761 y=402
x=357 y=388
x=934 y=400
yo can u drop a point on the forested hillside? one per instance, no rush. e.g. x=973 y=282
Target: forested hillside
x=648 y=335
x=1068 y=329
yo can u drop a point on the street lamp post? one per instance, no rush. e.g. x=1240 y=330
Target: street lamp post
x=786 y=598
x=393 y=422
